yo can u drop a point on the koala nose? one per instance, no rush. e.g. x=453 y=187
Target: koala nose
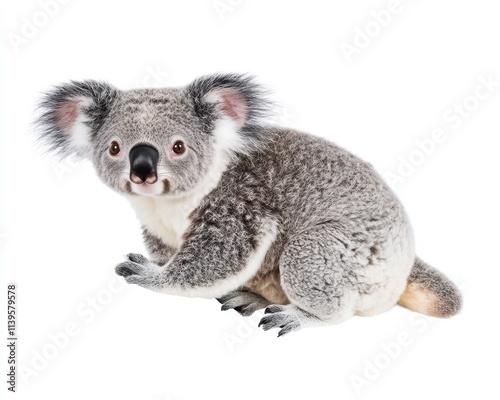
x=143 y=162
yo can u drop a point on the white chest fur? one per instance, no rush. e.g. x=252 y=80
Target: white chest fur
x=166 y=218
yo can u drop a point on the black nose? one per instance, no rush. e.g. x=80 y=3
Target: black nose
x=143 y=162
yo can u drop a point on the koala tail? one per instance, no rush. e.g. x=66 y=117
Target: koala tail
x=430 y=292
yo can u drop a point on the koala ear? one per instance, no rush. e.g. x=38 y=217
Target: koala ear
x=71 y=115
x=230 y=96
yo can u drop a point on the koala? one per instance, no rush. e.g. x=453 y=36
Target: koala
x=233 y=208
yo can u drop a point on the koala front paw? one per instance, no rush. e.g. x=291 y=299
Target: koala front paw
x=246 y=303
x=140 y=271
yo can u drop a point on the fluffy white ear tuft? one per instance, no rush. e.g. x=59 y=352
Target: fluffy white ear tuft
x=74 y=124
x=228 y=139
x=72 y=114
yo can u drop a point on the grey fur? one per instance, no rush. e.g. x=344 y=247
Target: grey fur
x=160 y=251
x=341 y=243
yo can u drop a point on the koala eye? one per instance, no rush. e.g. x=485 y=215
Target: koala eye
x=114 y=148
x=178 y=147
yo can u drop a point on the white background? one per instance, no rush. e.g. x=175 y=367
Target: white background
x=62 y=232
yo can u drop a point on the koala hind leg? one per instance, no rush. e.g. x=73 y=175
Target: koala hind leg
x=314 y=270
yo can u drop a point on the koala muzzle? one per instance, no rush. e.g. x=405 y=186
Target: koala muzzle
x=143 y=163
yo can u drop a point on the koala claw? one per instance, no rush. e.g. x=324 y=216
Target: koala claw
x=140 y=271
x=279 y=317
x=274 y=308
x=137 y=258
x=245 y=303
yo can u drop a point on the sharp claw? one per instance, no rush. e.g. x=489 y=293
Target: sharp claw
x=263 y=321
x=129 y=268
x=137 y=258
x=242 y=302
x=272 y=309
x=287 y=328
x=240 y=308
x=124 y=271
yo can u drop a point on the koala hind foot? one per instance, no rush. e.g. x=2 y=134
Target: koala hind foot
x=289 y=318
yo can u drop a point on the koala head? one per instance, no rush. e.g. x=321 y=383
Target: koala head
x=155 y=142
